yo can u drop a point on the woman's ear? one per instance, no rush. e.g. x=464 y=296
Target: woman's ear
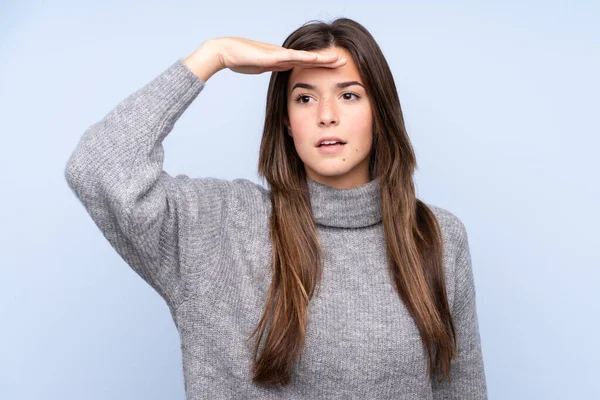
x=286 y=122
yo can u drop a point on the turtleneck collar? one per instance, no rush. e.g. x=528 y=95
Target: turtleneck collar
x=345 y=208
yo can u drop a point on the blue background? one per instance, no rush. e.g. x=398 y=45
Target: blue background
x=501 y=103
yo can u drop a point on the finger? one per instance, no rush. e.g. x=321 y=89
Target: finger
x=333 y=60
x=306 y=64
x=308 y=56
x=297 y=64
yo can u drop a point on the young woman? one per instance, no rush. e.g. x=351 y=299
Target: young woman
x=335 y=282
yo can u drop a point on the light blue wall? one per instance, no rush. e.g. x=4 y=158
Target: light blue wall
x=500 y=100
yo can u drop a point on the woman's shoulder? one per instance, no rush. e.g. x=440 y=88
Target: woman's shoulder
x=244 y=186
x=238 y=193
x=457 y=259
x=236 y=186
x=452 y=227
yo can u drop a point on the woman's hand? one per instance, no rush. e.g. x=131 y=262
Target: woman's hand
x=247 y=56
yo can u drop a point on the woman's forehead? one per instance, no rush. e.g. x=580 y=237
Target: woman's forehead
x=324 y=78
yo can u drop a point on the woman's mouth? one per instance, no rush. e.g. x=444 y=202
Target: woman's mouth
x=331 y=148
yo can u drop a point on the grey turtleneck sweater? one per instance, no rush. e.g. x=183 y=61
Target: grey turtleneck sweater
x=203 y=244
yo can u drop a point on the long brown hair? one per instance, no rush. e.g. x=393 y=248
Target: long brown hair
x=413 y=236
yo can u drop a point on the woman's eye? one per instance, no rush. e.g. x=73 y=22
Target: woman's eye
x=347 y=96
x=351 y=94
x=299 y=99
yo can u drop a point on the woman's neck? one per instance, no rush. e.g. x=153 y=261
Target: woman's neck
x=345 y=208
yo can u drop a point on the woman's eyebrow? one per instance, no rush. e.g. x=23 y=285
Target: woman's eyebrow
x=340 y=85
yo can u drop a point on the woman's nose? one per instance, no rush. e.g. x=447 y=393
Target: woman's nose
x=328 y=114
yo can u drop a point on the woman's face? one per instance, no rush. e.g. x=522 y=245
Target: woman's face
x=331 y=102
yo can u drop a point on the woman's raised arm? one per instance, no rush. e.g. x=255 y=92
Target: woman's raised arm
x=116 y=169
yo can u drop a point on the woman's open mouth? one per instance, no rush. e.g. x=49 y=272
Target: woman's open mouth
x=331 y=148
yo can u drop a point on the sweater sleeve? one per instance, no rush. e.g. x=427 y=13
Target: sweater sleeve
x=145 y=213
x=468 y=381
